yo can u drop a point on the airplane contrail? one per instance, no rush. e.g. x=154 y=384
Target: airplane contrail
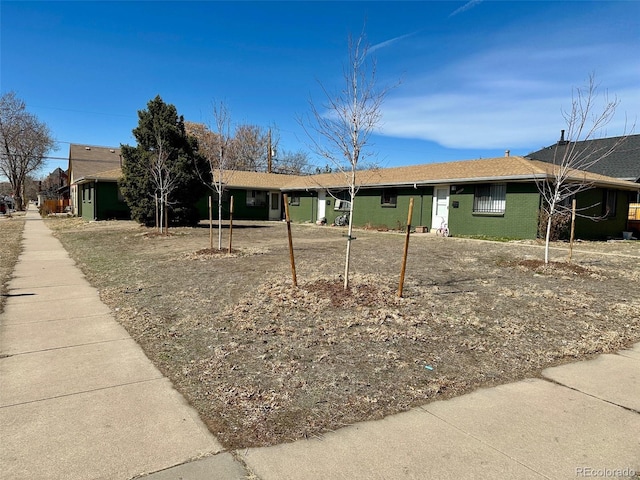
x=386 y=43
x=466 y=6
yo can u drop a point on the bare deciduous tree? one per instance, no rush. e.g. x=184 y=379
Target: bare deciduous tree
x=216 y=147
x=163 y=179
x=25 y=141
x=340 y=129
x=293 y=163
x=249 y=148
x=585 y=121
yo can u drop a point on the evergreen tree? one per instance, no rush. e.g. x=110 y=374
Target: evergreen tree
x=160 y=121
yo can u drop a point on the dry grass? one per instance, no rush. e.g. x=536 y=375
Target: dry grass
x=10 y=247
x=265 y=363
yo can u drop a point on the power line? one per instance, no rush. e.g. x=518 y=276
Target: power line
x=84 y=111
x=4 y=155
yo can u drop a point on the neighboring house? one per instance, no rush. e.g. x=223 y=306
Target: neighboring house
x=53 y=191
x=93 y=178
x=622 y=163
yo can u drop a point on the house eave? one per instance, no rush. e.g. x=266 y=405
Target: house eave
x=523 y=178
x=84 y=180
x=426 y=183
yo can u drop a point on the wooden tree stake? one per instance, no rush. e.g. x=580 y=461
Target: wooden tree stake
x=210 y=222
x=406 y=248
x=573 y=227
x=293 y=262
x=230 y=223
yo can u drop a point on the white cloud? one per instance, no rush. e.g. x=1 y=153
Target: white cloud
x=509 y=97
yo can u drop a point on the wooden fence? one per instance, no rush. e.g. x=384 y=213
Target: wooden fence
x=54 y=206
x=633 y=220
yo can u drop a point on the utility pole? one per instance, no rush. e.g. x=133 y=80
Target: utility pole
x=269 y=152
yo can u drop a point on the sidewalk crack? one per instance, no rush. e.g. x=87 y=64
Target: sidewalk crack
x=483 y=442
x=82 y=392
x=555 y=382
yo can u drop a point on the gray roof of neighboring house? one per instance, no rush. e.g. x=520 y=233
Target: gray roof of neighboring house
x=623 y=162
x=86 y=161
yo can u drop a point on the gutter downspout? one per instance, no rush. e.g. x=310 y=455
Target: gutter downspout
x=415 y=186
x=95 y=201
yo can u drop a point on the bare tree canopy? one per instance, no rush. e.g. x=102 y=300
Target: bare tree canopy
x=293 y=163
x=246 y=149
x=25 y=142
x=249 y=148
x=585 y=120
x=341 y=127
x=340 y=130
x=216 y=145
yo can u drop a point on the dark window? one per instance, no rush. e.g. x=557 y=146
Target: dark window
x=490 y=198
x=275 y=201
x=256 y=198
x=609 y=202
x=294 y=199
x=389 y=198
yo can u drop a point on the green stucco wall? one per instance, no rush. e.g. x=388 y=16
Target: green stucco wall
x=370 y=212
x=307 y=210
x=368 y=209
x=109 y=206
x=241 y=211
x=99 y=201
x=589 y=204
x=520 y=218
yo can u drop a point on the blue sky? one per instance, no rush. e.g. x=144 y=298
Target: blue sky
x=477 y=77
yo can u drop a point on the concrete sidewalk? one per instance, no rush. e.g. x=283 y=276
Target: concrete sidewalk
x=78 y=397
x=80 y=400
x=588 y=425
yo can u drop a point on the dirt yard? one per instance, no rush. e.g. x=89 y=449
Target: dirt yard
x=266 y=363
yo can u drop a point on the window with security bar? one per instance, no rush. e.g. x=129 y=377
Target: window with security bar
x=490 y=198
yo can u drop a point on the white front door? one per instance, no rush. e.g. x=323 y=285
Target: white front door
x=322 y=204
x=274 y=206
x=440 y=207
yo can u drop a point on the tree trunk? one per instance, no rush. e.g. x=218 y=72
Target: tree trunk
x=548 y=234
x=166 y=216
x=155 y=196
x=349 y=239
x=219 y=222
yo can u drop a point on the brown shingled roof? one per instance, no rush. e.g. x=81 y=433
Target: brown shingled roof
x=108 y=176
x=94 y=162
x=256 y=180
x=103 y=163
x=510 y=168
